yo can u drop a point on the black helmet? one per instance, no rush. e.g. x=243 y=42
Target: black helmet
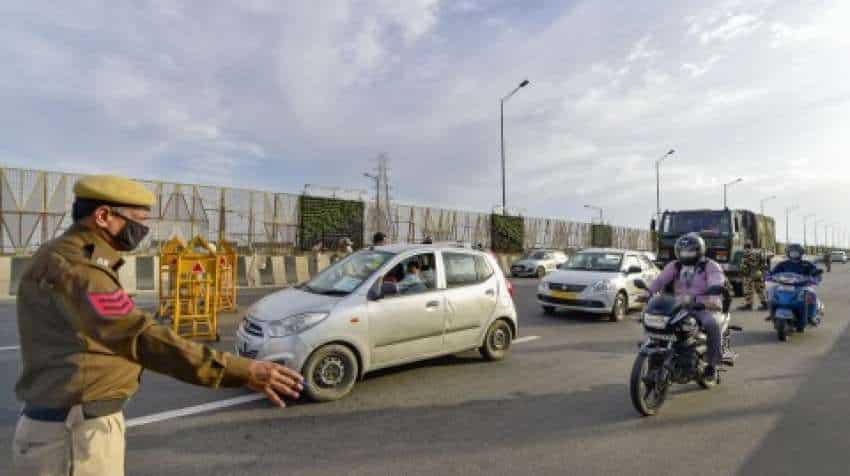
x=794 y=252
x=690 y=249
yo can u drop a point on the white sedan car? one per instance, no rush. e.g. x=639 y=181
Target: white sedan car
x=599 y=281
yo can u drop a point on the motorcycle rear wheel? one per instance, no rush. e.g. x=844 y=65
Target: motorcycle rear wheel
x=647 y=400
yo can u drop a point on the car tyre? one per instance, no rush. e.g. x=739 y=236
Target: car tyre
x=330 y=373
x=497 y=342
x=620 y=307
x=549 y=310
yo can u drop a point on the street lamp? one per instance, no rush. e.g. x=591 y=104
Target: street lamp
x=818 y=222
x=772 y=197
x=727 y=185
x=658 y=182
x=521 y=85
x=805 y=235
x=598 y=209
x=787 y=221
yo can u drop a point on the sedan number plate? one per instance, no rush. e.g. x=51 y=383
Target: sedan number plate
x=564 y=295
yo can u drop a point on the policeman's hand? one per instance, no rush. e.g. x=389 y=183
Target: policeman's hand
x=275 y=381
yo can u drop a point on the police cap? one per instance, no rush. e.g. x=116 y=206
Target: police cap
x=113 y=190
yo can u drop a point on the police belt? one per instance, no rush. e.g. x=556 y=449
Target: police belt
x=91 y=410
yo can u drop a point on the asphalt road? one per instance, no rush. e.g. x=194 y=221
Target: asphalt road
x=558 y=405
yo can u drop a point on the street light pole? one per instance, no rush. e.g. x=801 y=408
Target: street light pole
x=523 y=84
x=772 y=197
x=817 y=243
x=598 y=209
x=658 y=183
x=726 y=185
x=787 y=222
x=805 y=235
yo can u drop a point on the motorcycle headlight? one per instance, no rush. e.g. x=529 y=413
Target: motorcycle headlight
x=296 y=324
x=655 y=321
x=602 y=286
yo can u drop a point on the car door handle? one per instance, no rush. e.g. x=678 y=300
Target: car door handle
x=490 y=292
x=432 y=304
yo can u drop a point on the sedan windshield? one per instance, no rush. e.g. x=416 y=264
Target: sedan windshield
x=347 y=275
x=536 y=255
x=595 y=262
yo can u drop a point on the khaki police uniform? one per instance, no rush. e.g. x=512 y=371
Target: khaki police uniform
x=84 y=344
x=752 y=271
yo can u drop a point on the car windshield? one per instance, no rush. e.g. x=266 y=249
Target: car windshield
x=701 y=222
x=536 y=255
x=347 y=275
x=595 y=262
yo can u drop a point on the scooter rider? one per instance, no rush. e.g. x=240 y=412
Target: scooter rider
x=796 y=264
x=692 y=273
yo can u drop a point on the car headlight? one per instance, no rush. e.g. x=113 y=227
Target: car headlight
x=602 y=286
x=655 y=321
x=295 y=324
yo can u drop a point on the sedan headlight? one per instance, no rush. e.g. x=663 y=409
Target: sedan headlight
x=602 y=286
x=655 y=321
x=296 y=324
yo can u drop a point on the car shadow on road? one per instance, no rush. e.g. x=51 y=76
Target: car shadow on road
x=468 y=358
x=573 y=318
x=620 y=347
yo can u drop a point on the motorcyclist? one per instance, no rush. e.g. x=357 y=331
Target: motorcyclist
x=691 y=274
x=796 y=264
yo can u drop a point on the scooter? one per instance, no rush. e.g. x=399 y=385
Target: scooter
x=793 y=303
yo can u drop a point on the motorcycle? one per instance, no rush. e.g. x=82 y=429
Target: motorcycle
x=675 y=348
x=790 y=301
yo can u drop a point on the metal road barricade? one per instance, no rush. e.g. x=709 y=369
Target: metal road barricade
x=190 y=297
x=226 y=277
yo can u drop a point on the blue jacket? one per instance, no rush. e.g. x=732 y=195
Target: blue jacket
x=806 y=268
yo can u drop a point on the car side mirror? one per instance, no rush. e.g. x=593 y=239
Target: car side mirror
x=634 y=270
x=389 y=289
x=641 y=284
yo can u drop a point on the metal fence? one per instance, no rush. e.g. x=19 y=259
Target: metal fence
x=35 y=206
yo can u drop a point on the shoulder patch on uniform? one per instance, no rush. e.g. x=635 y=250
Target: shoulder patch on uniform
x=114 y=304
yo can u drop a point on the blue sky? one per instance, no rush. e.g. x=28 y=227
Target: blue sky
x=275 y=95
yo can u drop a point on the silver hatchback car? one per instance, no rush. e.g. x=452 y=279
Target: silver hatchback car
x=379 y=308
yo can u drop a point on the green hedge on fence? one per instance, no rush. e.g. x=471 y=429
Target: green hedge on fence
x=507 y=233
x=327 y=220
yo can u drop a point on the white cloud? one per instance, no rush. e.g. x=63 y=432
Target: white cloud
x=735 y=26
x=642 y=51
x=696 y=70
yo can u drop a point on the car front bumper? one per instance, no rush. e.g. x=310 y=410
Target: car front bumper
x=290 y=351
x=590 y=302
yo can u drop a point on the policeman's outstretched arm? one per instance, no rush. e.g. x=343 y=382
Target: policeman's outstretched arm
x=109 y=320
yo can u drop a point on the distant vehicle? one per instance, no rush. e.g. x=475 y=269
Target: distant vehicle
x=380 y=308
x=537 y=263
x=597 y=280
x=725 y=232
x=839 y=256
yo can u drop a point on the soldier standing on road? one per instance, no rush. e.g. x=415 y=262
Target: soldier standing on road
x=84 y=342
x=752 y=272
x=827 y=261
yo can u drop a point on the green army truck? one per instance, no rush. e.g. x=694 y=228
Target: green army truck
x=724 y=232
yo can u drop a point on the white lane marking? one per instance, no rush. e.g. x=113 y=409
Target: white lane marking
x=181 y=412
x=526 y=339
x=230 y=402
x=11 y=347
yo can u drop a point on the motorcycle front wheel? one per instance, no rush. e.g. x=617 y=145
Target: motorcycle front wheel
x=647 y=390
x=781 y=330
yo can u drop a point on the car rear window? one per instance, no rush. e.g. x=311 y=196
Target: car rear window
x=464 y=269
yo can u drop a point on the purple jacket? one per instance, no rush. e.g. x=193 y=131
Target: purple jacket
x=692 y=281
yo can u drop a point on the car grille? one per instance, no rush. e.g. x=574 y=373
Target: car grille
x=572 y=288
x=252 y=328
x=572 y=302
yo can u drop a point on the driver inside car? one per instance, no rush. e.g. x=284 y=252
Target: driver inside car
x=691 y=275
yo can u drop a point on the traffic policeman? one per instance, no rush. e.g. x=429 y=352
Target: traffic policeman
x=84 y=342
